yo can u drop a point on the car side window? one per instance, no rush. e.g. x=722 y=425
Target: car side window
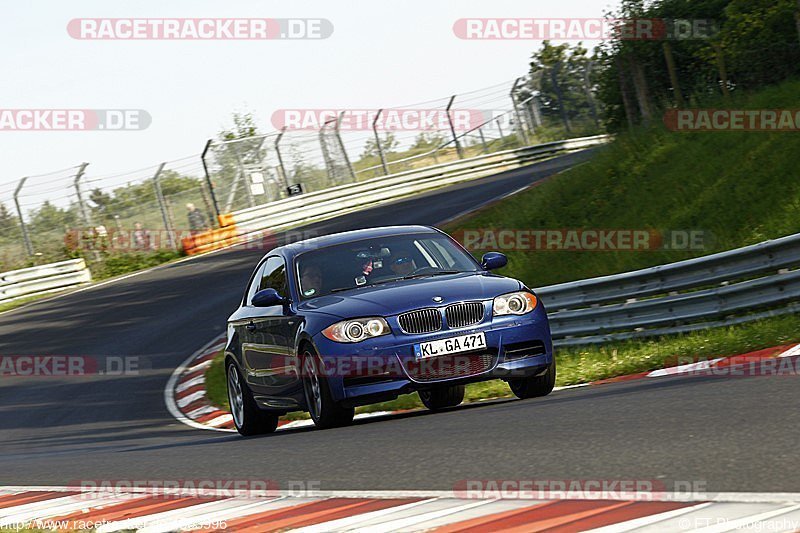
x=252 y=289
x=274 y=276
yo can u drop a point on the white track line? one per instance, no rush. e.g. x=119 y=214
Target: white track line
x=637 y=523
x=169 y=399
x=747 y=522
x=352 y=521
x=26 y=513
x=394 y=525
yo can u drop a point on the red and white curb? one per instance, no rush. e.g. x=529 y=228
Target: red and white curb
x=717 y=366
x=70 y=508
x=185 y=394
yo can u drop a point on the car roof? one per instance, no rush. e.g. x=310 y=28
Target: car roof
x=349 y=236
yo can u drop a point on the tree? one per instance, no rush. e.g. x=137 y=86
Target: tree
x=561 y=79
x=51 y=218
x=389 y=144
x=425 y=142
x=8 y=222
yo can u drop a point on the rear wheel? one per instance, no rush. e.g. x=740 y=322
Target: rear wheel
x=247 y=417
x=325 y=412
x=536 y=386
x=442 y=397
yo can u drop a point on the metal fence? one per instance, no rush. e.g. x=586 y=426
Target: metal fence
x=74 y=212
x=257 y=170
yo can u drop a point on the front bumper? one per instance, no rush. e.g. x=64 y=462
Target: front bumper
x=382 y=368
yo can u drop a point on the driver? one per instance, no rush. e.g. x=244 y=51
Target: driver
x=311 y=280
x=402 y=264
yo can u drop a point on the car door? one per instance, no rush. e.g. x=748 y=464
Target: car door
x=267 y=348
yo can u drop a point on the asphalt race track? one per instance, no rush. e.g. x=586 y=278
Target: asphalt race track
x=734 y=434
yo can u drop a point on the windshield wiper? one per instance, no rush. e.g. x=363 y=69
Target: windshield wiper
x=427 y=274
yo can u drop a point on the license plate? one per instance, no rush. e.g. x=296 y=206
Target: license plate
x=464 y=343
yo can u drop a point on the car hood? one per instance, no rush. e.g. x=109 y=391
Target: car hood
x=399 y=297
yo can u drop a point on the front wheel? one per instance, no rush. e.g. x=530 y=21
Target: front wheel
x=323 y=410
x=247 y=417
x=535 y=386
x=442 y=397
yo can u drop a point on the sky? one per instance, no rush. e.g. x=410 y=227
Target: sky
x=381 y=54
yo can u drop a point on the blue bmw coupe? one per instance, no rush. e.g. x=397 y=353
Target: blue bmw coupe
x=354 y=318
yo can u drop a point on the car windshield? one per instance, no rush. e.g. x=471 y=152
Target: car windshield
x=368 y=262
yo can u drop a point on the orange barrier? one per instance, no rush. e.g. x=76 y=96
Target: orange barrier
x=206 y=241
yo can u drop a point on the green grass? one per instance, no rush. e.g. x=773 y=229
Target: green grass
x=587 y=364
x=118 y=264
x=741 y=187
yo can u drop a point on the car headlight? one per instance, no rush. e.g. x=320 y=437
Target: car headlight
x=515 y=303
x=357 y=329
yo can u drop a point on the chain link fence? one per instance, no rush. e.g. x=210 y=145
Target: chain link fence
x=321 y=149
x=72 y=212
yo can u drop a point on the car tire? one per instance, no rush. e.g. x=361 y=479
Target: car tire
x=324 y=411
x=247 y=417
x=442 y=397
x=535 y=386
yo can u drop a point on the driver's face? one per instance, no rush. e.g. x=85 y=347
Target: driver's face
x=311 y=278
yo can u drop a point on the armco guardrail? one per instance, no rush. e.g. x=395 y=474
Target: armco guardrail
x=729 y=287
x=238 y=226
x=43 y=279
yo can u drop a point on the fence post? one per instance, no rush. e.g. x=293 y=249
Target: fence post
x=500 y=131
x=378 y=143
x=163 y=207
x=208 y=180
x=245 y=178
x=341 y=146
x=81 y=205
x=453 y=128
x=520 y=128
x=25 y=237
x=483 y=141
x=280 y=158
x=326 y=155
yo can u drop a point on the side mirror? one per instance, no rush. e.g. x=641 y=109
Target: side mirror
x=493 y=260
x=268 y=298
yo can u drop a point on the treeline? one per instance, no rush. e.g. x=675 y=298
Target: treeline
x=696 y=51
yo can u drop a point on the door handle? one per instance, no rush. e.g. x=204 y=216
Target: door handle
x=251 y=327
